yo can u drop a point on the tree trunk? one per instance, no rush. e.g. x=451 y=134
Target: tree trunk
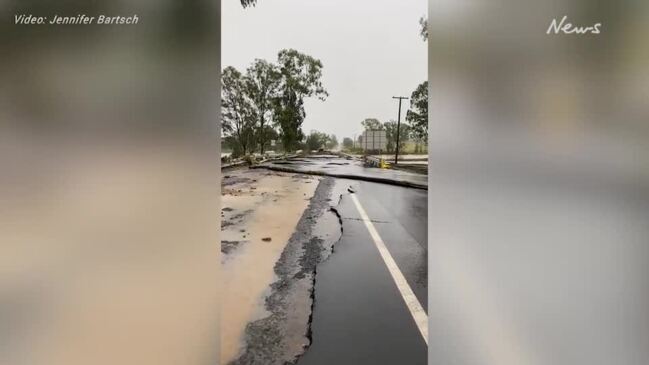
x=241 y=142
x=261 y=134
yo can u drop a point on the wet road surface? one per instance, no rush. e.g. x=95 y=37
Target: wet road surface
x=347 y=168
x=359 y=315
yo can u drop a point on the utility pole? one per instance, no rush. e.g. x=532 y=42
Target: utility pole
x=396 y=149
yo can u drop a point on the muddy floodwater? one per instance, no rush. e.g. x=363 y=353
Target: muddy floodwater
x=260 y=211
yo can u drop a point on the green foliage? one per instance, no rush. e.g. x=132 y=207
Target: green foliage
x=316 y=140
x=301 y=73
x=270 y=96
x=391 y=135
x=289 y=115
x=262 y=82
x=372 y=124
x=270 y=134
x=247 y=3
x=417 y=116
x=230 y=144
x=423 y=22
x=237 y=109
x=299 y=77
x=332 y=142
x=348 y=143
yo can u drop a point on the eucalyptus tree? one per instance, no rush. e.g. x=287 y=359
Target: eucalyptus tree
x=332 y=142
x=316 y=140
x=236 y=109
x=372 y=124
x=270 y=134
x=417 y=115
x=423 y=22
x=247 y=3
x=299 y=78
x=348 y=143
x=391 y=135
x=261 y=82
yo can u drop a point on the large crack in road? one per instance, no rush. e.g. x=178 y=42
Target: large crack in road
x=320 y=308
x=285 y=333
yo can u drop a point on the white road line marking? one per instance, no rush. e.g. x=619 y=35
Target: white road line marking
x=416 y=310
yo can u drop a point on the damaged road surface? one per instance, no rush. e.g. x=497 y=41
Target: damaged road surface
x=349 y=283
x=276 y=227
x=260 y=211
x=360 y=315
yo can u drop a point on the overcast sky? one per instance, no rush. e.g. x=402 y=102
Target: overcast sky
x=370 y=49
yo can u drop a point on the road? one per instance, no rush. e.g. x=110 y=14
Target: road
x=360 y=315
x=338 y=167
x=351 y=282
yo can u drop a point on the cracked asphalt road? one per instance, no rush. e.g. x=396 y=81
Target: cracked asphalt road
x=284 y=333
x=359 y=315
x=331 y=270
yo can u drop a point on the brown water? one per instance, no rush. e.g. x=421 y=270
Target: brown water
x=274 y=204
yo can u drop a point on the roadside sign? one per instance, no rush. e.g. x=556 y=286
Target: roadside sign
x=374 y=140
